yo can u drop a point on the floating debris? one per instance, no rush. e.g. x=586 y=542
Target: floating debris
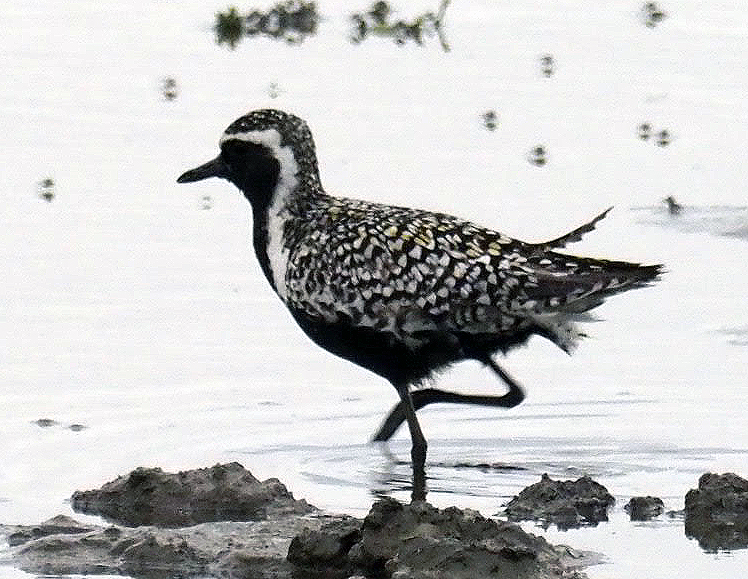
x=376 y=21
x=291 y=21
x=46 y=188
x=206 y=202
x=547 y=65
x=672 y=205
x=481 y=466
x=490 y=119
x=77 y=427
x=45 y=422
x=652 y=14
x=661 y=138
x=274 y=90
x=169 y=88
x=538 y=156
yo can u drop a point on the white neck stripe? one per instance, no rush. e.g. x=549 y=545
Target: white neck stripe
x=277 y=210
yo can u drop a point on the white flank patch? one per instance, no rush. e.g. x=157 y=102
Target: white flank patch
x=278 y=210
x=562 y=326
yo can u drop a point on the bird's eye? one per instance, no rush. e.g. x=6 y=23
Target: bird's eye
x=237 y=152
x=232 y=151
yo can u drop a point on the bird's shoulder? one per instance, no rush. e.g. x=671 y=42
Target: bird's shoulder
x=343 y=226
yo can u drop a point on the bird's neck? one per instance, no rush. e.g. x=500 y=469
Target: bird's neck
x=278 y=202
x=275 y=218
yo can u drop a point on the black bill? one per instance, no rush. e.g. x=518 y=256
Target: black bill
x=215 y=168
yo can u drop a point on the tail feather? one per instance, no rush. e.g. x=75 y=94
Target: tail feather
x=576 y=285
x=572 y=236
x=563 y=288
x=571 y=284
x=565 y=300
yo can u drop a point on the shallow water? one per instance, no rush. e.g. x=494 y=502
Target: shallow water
x=130 y=310
x=725 y=220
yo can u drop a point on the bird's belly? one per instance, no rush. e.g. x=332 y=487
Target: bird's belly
x=401 y=362
x=381 y=351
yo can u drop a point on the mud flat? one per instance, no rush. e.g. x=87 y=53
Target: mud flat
x=167 y=525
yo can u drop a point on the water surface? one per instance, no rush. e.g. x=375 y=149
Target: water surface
x=131 y=310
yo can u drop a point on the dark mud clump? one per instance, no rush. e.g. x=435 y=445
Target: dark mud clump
x=644 y=508
x=225 y=492
x=220 y=549
x=416 y=541
x=419 y=541
x=60 y=524
x=717 y=512
x=567 y=504
x=326 y=548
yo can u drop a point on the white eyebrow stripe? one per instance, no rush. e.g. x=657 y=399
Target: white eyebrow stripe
x=271 y=138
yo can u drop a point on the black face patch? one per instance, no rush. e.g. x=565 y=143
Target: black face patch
x=253 y=168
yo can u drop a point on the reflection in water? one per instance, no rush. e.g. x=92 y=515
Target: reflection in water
x=460 y=467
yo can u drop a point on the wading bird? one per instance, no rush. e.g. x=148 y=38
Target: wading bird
x=399 y=291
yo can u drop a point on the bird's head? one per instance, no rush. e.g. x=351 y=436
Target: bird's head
x=261 y=151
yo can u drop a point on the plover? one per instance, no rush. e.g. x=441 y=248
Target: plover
x=403 y=292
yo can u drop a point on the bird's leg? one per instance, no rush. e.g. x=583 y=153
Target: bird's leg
x=418 y=450
x=421 y=398
x=515 y=395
